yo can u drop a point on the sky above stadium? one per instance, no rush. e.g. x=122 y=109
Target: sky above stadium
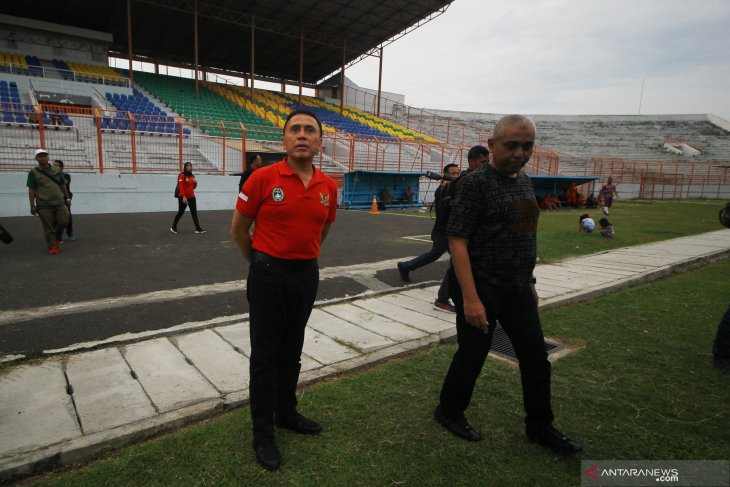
x=564 y=57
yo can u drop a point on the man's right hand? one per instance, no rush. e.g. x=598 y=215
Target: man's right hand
x=33 y=210
x=476 y=314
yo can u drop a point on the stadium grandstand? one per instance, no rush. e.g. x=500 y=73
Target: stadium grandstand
x=206 y=92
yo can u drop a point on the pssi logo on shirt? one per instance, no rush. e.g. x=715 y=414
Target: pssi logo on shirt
x=277 y=194
x=244 y=197
x=324 y=199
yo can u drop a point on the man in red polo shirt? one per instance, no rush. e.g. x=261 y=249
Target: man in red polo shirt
x=293 y=205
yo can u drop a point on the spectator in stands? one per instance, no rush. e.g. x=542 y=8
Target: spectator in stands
x=440 y=243
x=586 y=223
x=283 y=276
x=492 y=233
x=55 y=118
x=254 y=162
x=607 y=193
x=49 y=199
x=186 y=185
x=58 y=166
x=606 y=228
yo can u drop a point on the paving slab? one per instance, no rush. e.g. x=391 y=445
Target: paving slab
x=418 y=305
x=216 y=359
x=588 y=270
x=104 y=391
x=238 y=336
x=35 y=410
x=324 y=349
x=565 y=272
x=564 y=284
x=343 y=331
x=609 y=268
x=427 y=294
x=375 y=323
x=404 y=315
x=625 y=262
x=167 y=378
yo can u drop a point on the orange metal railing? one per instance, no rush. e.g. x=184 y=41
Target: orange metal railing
x=133 y=144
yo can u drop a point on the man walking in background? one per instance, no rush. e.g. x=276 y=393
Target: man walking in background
x=293 y=204
x=49 y=199
x=58 y=166
x=254 y=162
x=440 y=245
x=492 y=233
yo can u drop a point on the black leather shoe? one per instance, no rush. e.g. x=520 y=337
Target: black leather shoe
x=403 y=272
x=457 y=426
x=555 y=440
x=299 y=424
x=267 y=454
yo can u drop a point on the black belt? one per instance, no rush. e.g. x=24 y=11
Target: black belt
x=258 y=256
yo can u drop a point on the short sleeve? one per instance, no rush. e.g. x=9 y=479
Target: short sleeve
x=465 y=208
x=250 y=198
x=30 y=182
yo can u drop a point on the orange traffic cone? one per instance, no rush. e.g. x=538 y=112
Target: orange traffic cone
x=374 y=207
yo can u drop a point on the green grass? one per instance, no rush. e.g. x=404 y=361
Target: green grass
x=636 y=223
x=640 y=385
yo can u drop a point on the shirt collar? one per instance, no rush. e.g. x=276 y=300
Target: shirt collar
x=285 y=170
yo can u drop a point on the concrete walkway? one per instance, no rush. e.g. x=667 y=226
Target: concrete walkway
x=70 y=407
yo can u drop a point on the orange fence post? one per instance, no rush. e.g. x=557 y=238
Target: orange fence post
x=99 y=147
x=41 y=129
x=243 y=146
x=132 y=132
x=180 y=143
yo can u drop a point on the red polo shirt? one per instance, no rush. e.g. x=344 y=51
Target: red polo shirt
x=289 y=217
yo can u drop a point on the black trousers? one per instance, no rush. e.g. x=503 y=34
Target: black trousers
x=181 y=209
x=721 y=345
x=280 y=294
x=516 y=311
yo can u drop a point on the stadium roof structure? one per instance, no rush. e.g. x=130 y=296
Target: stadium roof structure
x=327 y=33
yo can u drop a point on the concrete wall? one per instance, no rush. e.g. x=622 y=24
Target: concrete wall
x=122 y=193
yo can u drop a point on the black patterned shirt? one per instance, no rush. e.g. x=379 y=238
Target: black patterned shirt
x=498 y=217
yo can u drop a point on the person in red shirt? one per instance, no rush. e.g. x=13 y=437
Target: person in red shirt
x=293 y=205
x=186 y=185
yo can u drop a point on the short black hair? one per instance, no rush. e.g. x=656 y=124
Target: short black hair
x=476 y=151
x=604 y=222
x=447 y=167
x=583 y=216
x=59 y=162
x=304 y=112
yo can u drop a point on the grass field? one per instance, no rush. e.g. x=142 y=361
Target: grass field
x=639 y=385
x=635 y=222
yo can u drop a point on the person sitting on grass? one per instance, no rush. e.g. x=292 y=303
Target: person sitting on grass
x=586 y=223
x=606 y=228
